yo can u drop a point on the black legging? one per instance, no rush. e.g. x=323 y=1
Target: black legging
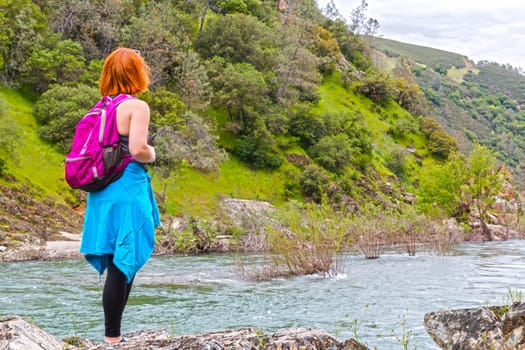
x=114 y=298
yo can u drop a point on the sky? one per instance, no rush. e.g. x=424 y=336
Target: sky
x=490 y=30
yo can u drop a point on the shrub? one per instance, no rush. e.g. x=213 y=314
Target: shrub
x=378 y=87
x=402 y=127
x=396 y=162
x=314 y=182
x=258 y=151
x=334 y=153
x=440 y=143
x=310 y=241
x=60 y=108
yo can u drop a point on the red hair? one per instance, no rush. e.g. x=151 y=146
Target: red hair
x=124 y=72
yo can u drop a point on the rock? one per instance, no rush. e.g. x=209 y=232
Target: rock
x=16 y=333
x=482 y=328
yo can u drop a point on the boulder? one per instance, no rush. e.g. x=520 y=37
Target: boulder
x=16 y=333
x=482 y=328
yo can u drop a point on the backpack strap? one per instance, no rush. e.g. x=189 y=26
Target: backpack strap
x=108 y=100
x=109 y=105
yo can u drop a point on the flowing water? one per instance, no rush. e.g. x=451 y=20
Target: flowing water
x=378 y=300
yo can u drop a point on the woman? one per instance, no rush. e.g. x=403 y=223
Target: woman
x=119 y=221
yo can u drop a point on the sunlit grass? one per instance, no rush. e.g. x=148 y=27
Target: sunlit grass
x=38 y=163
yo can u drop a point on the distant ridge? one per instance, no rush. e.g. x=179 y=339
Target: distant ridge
x=421 y=54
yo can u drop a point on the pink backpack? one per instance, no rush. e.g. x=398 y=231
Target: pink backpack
x=96 y=158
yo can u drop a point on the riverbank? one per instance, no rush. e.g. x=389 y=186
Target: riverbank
x=17 y=333
x=66 y=245
x=43 y=230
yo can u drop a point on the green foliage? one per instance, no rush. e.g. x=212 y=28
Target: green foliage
x=21 y=24
x=441 y=186
x=485 y=181
x=440 y=143
x=314 y=182
x=11 y=139
x=194 y=143
x=91 y=74
x=460 y=183
x=401 y=128
x=54 y=62
x=166 y=108
x=259 y=151
x=410 y=97
x=378 y=87
x=59 y=109
x=242 y=90
x=396 y=161
x=334 y=153
x=308 y=126
x=238 y=38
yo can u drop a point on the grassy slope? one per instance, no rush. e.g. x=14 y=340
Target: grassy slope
x=188 y=191
x=425 y=55
x=39 y=163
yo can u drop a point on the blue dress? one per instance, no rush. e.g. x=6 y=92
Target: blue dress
x=120 y=220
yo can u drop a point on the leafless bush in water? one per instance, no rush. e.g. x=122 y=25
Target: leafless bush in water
x=443 y=234
x=307 y=242
x=373 y=229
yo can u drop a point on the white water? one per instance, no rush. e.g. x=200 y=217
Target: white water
x=189 y=294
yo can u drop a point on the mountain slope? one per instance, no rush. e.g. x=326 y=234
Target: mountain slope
x=481 y=102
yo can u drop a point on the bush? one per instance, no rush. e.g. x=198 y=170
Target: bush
x=396 y=162
x=59 y=109
x=401 y=128
x=310 y=240
x=314 y=182
x=440 y=143
x=258 y=152
x=378 y=87
x=334 y=153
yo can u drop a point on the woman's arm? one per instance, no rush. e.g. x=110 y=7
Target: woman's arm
x=138 y=114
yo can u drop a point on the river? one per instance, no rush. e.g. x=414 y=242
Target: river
x=378 y=300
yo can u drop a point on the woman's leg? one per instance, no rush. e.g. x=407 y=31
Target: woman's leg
x=114 y=299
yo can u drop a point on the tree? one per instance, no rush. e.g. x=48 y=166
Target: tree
x=193 y=143
x=11 y=138
x=54 y=62
x=440 y=143
x=96 y=25
x=460 y=183
x=362 y=25
x=241 y=88
x=191 y=81
x=441 y=188
x=21 y=23
x=484 y=183
x=334 y=153
x=238 y=38
x=162 y=35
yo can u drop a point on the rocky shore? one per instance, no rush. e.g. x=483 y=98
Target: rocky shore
x=482 y=328
x=16 y=333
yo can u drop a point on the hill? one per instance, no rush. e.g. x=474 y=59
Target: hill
x=259 y=102
x=475 y=102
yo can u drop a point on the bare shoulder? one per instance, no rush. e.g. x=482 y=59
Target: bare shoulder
x=136 y=104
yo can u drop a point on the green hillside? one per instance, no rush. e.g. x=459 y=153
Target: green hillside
x=253 y=101
x=478 y=103
x=427 y=56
